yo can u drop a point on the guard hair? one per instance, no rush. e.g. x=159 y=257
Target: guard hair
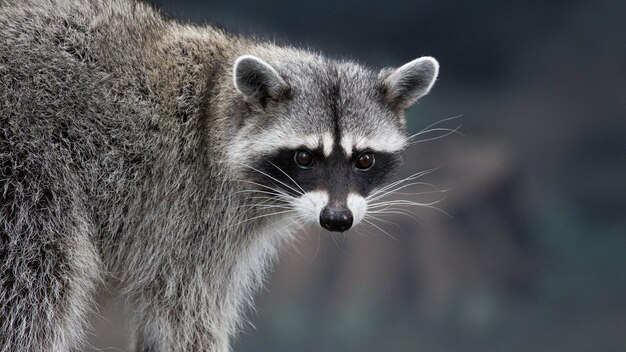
x=156 y=161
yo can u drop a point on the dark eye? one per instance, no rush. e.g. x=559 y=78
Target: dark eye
x=365 y=161
x=303 y=158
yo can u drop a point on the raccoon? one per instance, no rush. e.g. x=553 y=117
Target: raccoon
x=168 y=163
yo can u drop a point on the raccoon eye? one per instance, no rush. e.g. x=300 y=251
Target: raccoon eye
x=303 y=158
x=365 y=161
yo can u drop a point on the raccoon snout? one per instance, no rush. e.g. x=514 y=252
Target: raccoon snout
x=336 y=219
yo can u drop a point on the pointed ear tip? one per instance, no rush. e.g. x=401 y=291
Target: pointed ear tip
x=251 y=61
x=250 y=73
x=429 y=60
x=427 y=63
x=244 y=58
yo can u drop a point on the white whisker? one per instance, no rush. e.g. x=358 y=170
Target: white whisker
x=400 y=182
x=429 y=128
x=420 y=193
x=369 y=216
x=294 y=219
x=379 y=228
x=317 y=249
x=396 y=211
x=271 y=177
x=265 y=215
x=292 y=180
x=403 y=202
x=449 y=132
x=429 y=206
x=401 y=187
x=278 y=192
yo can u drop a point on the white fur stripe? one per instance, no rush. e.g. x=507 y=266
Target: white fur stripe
x=310 y=205
x=385 y=142
x=347 y=143
x=270 y=142
x=328 y=143
x=358 y=207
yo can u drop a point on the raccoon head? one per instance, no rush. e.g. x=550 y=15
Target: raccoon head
x=315 y=136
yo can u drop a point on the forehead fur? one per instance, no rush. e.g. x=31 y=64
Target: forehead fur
x=328 y=92
x=330 y=102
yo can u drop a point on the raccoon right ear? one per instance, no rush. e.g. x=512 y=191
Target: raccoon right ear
x=402 y=87
x=257 y=80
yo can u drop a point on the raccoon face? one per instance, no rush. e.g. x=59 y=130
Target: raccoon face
x=316 y=137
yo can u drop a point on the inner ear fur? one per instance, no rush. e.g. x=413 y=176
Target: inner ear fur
x=257 y=80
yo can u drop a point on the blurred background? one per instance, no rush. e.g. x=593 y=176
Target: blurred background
x=532 y=256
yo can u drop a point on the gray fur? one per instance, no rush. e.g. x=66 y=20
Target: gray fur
x=410 y=82
x=122 y=139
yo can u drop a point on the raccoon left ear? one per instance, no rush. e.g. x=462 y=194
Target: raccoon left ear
x=405 y=85
x=257 y=80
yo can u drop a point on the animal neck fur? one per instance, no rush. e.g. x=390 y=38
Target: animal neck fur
x=189 y=202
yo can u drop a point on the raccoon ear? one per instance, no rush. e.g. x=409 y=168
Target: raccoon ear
x=404 y=86
x=257 y=80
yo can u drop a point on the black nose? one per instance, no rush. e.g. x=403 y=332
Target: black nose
x=336 y=219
